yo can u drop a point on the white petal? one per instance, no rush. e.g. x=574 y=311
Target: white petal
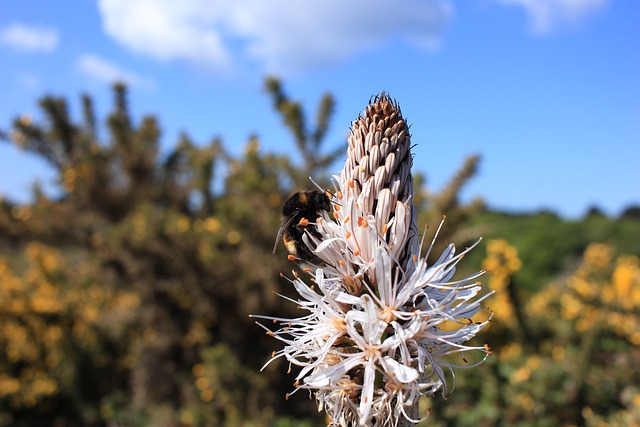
x=373 y=327
x=325 y=376
x=400 y=372
x=383 y=276
x=366 y=397
x=346 y=298
x=324 y=244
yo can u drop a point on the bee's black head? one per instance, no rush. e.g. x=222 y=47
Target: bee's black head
x=320 y=200
x=306 y=201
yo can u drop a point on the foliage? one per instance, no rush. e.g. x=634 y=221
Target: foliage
x=433 y=207
x=308 y=142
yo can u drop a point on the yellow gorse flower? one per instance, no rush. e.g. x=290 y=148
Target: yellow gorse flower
x=40 y=311
x=604 y=291
x=501 y=262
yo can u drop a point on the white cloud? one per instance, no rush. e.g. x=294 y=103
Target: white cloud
x=280 y=35
x=546 y=15
x=31 y=39
x=104 y=71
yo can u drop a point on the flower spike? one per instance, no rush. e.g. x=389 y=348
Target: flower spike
x=377 y=332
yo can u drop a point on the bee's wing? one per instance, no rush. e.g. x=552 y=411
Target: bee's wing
x=286 y=222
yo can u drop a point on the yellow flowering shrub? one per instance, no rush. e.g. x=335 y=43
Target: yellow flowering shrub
x=603 y=292
x=501 y=262
x=43 y=316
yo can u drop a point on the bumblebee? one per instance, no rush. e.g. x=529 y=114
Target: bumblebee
x=302 y=207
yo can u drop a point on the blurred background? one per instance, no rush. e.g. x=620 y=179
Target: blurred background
x=146 y=148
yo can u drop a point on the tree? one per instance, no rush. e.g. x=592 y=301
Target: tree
x=309 y=142
x=152 y=225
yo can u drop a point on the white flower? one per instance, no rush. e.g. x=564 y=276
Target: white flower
x=372 y=342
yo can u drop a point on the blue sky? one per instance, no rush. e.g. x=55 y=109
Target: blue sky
x=546 y=91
